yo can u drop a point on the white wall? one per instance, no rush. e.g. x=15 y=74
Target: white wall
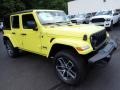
x=86 y=6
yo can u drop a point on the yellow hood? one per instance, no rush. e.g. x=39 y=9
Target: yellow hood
x=73 y=30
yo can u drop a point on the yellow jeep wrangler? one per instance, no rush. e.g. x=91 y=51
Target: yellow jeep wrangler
x=51 y=34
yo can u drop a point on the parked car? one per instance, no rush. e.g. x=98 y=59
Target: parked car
x=1 y=26
x=49 y=33
x=93 y=13
x=71 y=16
x=81 y=18
x=88 y=16
x=118 y=10
x=106 y=18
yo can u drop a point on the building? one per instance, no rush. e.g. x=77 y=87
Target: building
x=87 y=6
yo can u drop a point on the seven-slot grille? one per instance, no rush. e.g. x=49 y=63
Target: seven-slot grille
x=97 y=20
x=98 y=38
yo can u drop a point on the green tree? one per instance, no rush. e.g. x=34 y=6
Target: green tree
x=46 y=4
x=54 y=4
x=10 y=6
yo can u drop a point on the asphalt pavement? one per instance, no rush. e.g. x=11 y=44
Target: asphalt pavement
x=33 y=72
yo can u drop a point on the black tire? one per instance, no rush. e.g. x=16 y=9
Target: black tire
x=70 y=67
x=12 y=52
x=116 y=24
x=84 y=22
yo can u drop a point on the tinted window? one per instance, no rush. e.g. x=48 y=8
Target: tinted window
x=6 y=23
x=26 y=20
x=15 y=21
x=115 y=13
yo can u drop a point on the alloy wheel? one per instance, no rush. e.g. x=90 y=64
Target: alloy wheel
x=66 y=68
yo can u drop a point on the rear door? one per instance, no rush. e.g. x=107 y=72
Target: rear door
x=15 y=30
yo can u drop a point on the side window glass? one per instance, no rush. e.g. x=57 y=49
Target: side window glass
x=28 y=21
x=6 y=23
x=115 y=13
x=15 y=21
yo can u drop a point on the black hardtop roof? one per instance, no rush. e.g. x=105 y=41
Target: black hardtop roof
x=24 y=11
x=31 y=10
x=18 y=12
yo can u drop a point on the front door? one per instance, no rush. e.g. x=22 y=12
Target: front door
x=31 y=38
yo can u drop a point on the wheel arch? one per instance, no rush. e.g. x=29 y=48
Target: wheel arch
x=5 y=38
x=58 y=47
x=8 y=38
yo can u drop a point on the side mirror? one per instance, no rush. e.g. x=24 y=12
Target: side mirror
x=32 y=25
x=115 y=14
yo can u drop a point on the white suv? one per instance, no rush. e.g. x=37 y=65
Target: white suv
x=81 y=18
x=106 y=18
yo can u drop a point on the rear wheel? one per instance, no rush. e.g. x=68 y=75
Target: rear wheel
x=70 y=67
x=12 y=52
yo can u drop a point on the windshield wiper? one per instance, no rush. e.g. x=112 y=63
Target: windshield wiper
x=58 y=23
x=63 y=23
x=48 y=23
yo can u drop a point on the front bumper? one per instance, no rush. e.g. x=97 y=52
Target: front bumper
x=104 y=53
x=105 y=24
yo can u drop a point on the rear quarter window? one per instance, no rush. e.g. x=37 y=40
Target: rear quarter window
x=6 y=23
x=15 y=21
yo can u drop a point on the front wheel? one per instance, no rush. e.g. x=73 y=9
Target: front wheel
x=70 y=67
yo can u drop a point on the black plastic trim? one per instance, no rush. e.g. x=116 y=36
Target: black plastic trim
x=104 y=53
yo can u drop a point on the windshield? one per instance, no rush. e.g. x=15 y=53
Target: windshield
x=104 y=13
x=80 y=16
x=52 y=17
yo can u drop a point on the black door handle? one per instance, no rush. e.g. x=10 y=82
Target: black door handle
x=13 y=33
x=23 y=34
